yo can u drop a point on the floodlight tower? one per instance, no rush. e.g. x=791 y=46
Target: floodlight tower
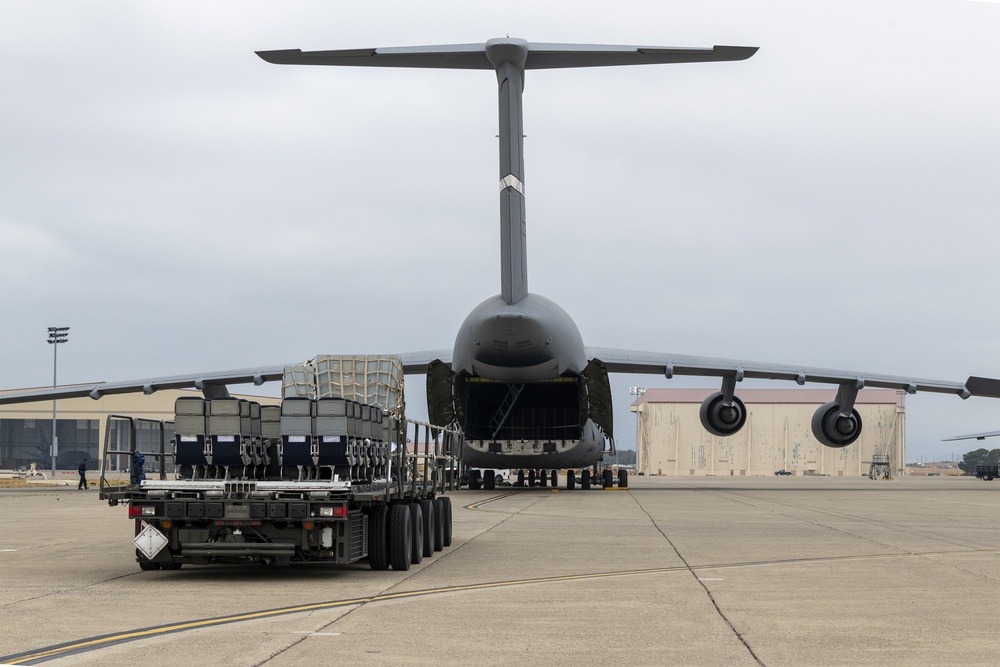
x=56 y=335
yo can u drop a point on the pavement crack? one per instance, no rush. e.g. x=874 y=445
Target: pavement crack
x=701 y=583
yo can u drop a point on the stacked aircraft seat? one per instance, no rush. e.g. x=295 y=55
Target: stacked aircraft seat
x=299 y=453
x=270 y=434
x=192 y=451
x=224 y=423
x=379 y=459
x=256 y=448
x=332 y=435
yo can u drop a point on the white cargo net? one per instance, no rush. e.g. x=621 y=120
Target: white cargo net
x=372 y=379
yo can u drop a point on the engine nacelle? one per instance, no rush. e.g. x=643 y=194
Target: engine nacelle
x=720 y=419
x=834 y=430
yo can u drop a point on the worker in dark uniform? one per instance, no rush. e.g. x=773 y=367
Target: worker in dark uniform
x=83 y=475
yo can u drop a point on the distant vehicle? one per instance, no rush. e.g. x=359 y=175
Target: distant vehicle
x=783 y=472
x=987 y=472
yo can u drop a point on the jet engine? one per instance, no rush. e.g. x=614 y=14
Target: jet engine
x=721 y=419
x=834 y=429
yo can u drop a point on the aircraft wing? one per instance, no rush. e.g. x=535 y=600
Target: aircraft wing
x=669 y=365
x=203 y=381
x=212 y=383
x=973 y=436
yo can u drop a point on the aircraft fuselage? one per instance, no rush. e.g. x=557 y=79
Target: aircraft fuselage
x=518 y=388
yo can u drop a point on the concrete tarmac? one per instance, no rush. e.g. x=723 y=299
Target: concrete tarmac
x=681 y=571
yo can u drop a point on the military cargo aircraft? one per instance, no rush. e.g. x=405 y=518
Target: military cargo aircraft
x=519 y=381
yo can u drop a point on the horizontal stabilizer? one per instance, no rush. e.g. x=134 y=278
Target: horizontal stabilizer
x=540 y=56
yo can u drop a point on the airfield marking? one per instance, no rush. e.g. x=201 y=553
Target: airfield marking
x=478 y=504
x=102 y=641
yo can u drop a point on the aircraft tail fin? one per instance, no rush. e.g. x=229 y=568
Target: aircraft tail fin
x=509 y=58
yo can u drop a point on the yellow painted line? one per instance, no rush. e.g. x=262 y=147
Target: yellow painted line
x=477 y=505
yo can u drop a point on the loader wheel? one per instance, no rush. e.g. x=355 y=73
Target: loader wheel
x=446 y=511
x=427 y=506
x=378 y=553
x=417 y=518
x=438 y=524
x=400 y=537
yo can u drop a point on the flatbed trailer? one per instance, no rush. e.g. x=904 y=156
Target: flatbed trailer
x=390 y=507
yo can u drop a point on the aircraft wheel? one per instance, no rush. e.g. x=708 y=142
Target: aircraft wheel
x=585 y=479
x=446 y=523
x=531 y=478
x=400 y=537
x=555 y=479
x=609 y=478
x=570 y=480
x=438 y=524
x=543 y=479
x=489 y=481
x=475 y=481
x=427 y=506
x=417 y=533
x=520 y=477
x=378 y=552
x=623 y=479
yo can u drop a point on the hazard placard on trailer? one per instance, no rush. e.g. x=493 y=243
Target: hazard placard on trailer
x=150 y=541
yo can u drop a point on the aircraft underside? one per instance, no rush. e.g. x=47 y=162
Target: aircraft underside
x=537 y=454
x=539 y=425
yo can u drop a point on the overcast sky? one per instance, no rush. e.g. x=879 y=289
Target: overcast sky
x=185 y=206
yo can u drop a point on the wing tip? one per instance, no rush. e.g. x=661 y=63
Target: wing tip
x=986 y=387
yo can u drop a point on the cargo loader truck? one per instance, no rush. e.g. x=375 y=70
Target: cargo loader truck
x=311 y=480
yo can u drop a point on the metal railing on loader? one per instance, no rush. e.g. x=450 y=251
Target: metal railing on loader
x=158 y=430
x=426 y=464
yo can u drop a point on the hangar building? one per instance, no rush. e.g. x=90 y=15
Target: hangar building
x=81 y=424
x=670 y=439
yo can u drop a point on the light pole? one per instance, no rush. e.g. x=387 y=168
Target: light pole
x=639 y=459
x=56 y=335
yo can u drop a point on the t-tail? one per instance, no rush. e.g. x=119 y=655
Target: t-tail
x=509 y=58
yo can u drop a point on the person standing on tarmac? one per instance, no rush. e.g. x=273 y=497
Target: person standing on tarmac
x=83 y=475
